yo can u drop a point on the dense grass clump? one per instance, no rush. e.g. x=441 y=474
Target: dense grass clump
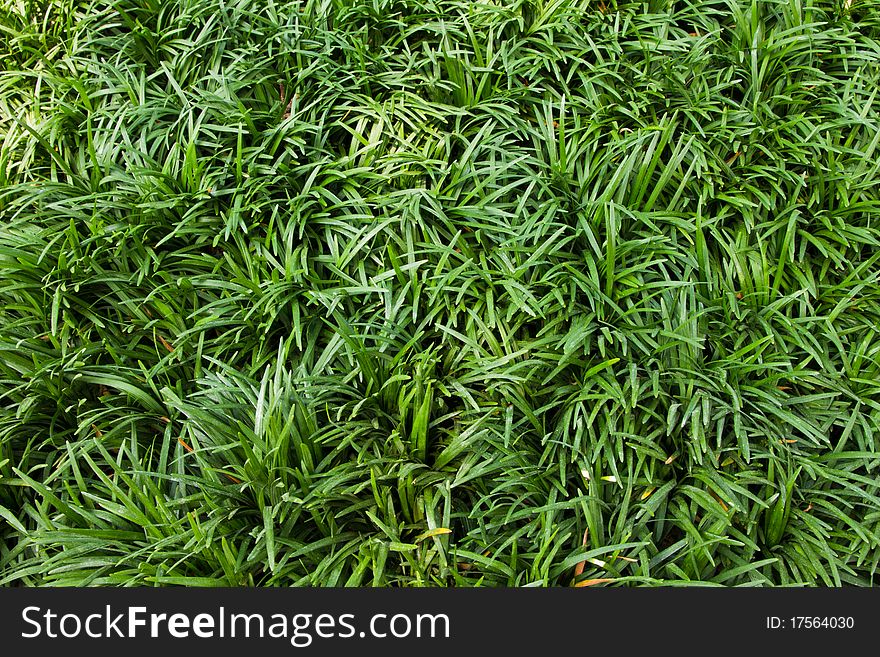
x=439 y=292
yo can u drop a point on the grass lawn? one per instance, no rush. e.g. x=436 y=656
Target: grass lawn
x=439 y=292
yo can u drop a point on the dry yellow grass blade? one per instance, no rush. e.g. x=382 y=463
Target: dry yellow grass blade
x=594 y=582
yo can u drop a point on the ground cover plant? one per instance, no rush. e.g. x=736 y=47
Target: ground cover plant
x=439 y=292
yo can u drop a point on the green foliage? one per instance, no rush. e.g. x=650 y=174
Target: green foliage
x=439 y=292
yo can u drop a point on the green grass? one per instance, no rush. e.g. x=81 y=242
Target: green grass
x=439 y=292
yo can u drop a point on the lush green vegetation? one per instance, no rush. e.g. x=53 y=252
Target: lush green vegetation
x=439 y=292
